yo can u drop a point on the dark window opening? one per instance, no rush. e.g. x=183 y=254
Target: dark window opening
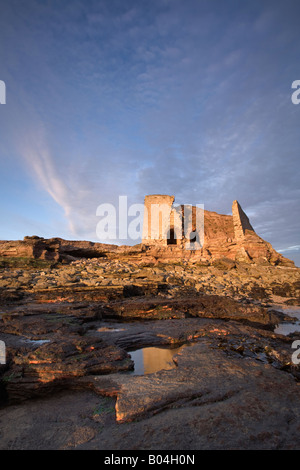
x=172 y=240
x=193 y=237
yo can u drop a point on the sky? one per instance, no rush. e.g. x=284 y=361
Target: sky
x=110 y=98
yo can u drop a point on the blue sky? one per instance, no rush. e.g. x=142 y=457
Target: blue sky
x=133 y=97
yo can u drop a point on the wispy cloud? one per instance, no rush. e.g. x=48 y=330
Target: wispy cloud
x=39 y=160
x=290 y=248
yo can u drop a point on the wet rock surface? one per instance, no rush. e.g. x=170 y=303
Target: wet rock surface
x=69 y=331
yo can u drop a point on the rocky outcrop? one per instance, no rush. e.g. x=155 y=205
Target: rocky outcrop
x=206 y=375
x=53 y=249
x=56 y=365
x=137 y=274
x=60 y=346
x=224 y=237
x=220 y=237
x=192 y=233
x=70 y=328
x=226 y=392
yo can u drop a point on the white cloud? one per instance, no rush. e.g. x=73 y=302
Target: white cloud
x=38 y=158
x=290 y=249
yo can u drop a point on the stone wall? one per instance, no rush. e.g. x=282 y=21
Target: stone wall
x=157 y=215
x=241 y=222
x=224 y=236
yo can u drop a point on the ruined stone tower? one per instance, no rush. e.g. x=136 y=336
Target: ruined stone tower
x=157 y=217
x=190 y=232
x=166 y=225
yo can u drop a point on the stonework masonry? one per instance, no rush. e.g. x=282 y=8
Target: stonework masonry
x=173 y=231
x=240 y=221
x=168 y=225
x=157 y=218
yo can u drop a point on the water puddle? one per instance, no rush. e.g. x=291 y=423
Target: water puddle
x=37 y=342
x=110 y=329
x=153 y=359
x=287 y=328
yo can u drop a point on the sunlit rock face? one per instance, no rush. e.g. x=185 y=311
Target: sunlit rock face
x=170 y=232
x=191 y=232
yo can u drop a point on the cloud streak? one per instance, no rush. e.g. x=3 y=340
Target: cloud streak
x=42 y=164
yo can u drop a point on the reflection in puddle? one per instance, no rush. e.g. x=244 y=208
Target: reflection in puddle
x=287 y=328
x=153 y=359
x=110 y=329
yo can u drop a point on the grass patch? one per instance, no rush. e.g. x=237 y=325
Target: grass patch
x=11 y=376
x=105 y=407
x=23 y=262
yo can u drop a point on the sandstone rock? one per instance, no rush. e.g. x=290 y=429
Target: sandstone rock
x=56 y=365
x=232 y=384
x=206 y=375
x=223 y=400
x=224 y=263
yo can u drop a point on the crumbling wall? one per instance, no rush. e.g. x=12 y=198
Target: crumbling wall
x=156 y=227
x=241 y=222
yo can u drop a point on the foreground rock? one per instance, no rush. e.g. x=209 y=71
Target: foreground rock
x=212 y=400
x=258 y=397
x=70 y=328
x=56 y=365
x=41 y=360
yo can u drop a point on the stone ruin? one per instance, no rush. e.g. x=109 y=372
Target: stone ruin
x=184 y=225
x=171 y=233
x=190 y=232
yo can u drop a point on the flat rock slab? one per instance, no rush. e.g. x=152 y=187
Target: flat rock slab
x=238 y=402
x=215 y=399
